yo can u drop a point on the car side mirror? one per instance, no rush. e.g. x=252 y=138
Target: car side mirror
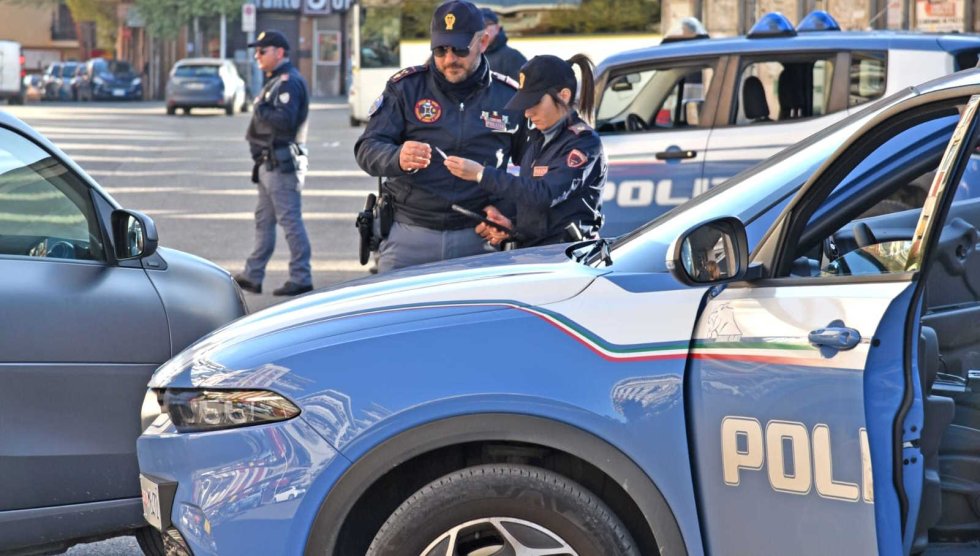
x=713 y=252
x=692 y=111
x=134 y=235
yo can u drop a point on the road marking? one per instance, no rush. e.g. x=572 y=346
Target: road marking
x=229 y=174
x=131 y=159
x=249 y=192
x=323 y=265
x=333 y=216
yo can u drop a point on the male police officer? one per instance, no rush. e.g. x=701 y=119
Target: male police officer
x=503 y=58
x=451 y=105
x=276 y=136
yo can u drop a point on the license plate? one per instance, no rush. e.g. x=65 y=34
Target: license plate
x=157 y=501
x=195 y=86
x=118 y=93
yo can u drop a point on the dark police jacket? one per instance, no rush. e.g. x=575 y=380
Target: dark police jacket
x=560 y=182
x=504 y=59
x=415 y=107
x=280 y=111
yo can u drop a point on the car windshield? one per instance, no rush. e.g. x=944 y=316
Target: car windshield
x=68 y=70
x=196 y=70
x=755 y=196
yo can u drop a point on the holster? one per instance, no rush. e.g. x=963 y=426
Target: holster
x=365 y=226
x=285 y=158
x=386 y=214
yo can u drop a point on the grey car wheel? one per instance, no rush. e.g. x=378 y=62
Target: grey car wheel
x=503 y=509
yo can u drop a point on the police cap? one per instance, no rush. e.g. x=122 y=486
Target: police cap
x=270 y=38
x=454 y=23
x=538 y=76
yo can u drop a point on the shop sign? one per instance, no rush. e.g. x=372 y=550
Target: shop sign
x=939 y=15
x=279 y=5
x=325 y=7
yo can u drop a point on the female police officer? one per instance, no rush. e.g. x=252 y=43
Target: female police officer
x=558 y=195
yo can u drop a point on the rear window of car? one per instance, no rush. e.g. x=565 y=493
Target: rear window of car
x=196 y=70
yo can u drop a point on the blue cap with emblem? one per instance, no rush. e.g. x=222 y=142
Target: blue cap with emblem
x=270 y=38
x=538 y=76
x=454 y=24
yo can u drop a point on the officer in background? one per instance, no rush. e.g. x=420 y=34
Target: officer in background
x=276 y=137
x=503 y=59
x=453 y=104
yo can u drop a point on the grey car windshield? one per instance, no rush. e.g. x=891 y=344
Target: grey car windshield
x=749 y=196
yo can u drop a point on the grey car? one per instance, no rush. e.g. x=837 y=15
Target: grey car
x=90 y=308
x=205 y=83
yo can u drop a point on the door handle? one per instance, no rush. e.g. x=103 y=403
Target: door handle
x=839 y=338
x=675 y=154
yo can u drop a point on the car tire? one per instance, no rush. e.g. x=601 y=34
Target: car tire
x=150 y=541
x=171 y=110
x=473 y=505
x=230 y=107
x=186 y=110
x=354 y=122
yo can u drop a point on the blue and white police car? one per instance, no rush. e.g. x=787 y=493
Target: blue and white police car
x=778 y=367
x=679 y=118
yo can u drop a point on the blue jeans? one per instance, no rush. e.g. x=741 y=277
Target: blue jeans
x=280 y=202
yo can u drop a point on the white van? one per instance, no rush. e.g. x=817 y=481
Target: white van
x=11 y=72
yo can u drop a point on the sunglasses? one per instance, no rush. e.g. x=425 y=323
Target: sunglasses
x=441 y=51
x=263 y=50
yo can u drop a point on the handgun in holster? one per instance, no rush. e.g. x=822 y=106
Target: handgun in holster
x=373 y=223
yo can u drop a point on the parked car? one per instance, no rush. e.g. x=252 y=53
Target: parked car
x=91 y=306
x=11 y=72
x=786 y=349
x=109 y=79
x=57 y=80
x=205 y=83
x=679 y=118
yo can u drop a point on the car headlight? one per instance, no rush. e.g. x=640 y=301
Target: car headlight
x=98 y=80
x=193 y=410
x=137 y=81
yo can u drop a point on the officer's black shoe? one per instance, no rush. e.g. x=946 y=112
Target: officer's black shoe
x=247 y=285
x=292 y=288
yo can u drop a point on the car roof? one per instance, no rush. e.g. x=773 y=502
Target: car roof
x=807 y=41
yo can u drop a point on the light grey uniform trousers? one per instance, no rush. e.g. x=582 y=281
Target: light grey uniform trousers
x=280 y=202
x=409 y=245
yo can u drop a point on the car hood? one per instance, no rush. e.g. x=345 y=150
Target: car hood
x=533 y=277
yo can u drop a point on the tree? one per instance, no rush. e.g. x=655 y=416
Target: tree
x=165 y=18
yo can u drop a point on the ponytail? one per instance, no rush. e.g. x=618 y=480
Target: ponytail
x=586 y=102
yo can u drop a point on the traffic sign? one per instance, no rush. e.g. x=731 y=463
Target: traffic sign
x=248 y=18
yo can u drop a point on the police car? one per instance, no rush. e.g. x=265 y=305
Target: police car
x=679 y=118
x=778 y=367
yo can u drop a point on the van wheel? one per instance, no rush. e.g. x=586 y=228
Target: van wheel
x=506 y=509
x=186 y=110
x=150 y=541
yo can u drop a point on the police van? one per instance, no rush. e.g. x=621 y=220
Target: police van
x=679 y=118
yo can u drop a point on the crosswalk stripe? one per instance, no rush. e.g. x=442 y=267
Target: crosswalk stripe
x=246 y=192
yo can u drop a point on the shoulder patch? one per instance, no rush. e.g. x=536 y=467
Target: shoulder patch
x=576 y=158
x=579 y=128
x=408 y=71
x=504 y=79
x=377 y=105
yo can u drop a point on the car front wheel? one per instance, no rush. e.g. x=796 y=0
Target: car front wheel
x=503 y=509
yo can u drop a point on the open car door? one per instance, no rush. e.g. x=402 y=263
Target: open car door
x=804 y=388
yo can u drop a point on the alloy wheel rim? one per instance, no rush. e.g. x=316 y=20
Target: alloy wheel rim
x=498 y=536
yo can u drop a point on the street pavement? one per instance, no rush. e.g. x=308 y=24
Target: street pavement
x=191 y=174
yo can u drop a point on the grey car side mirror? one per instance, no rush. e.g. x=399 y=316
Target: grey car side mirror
x=713 y=252
x=134 y=235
